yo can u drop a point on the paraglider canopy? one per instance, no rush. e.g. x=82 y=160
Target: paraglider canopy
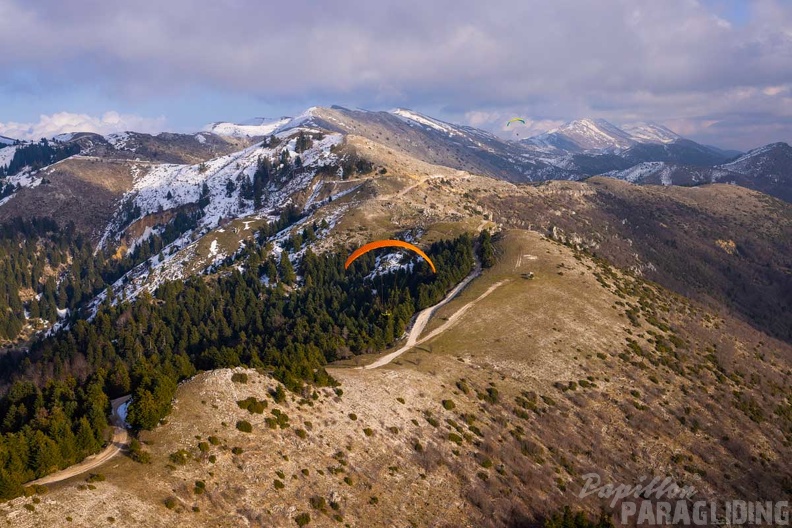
x=515 y=119
x=388 y=243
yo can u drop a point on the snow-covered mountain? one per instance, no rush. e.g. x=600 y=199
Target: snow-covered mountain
x=256 y=127
x=767 y=169
x=6 y=141
x=582 y=135
x=650 y=133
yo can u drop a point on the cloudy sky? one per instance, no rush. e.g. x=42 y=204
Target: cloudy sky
x=719 y=71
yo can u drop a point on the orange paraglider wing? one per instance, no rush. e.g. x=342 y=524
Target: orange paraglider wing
x=388 y=243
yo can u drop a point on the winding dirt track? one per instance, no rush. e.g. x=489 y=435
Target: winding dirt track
x=119 y=441
x=423 y=318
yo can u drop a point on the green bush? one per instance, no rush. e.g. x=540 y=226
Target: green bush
x=301 y=433
x=455 y=438
x=318 y=503
x=239 y=377
x=137 y=454
x=278 y=484
x=278 y=395
x=448 y=405
x=302 y=519
x=214 y=440
x=171 y=503
x=237 y=451
x=203 y=447
x=352 y=416
x=244 y=426
x=180 y=457
x=368 y=431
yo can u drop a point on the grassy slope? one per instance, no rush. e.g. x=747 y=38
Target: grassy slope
x=564 y=325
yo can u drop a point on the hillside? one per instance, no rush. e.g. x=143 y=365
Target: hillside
x=764 y=169
x=472 y=428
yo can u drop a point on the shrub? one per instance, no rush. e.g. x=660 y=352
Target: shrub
x=252 y=405
x=239 y=377
x=244 y=426
x=400 y=400
x=448 y=405
x=305 y=472
x=214 y=440
x=278 y=484
x=180 y=457
x=203 y=447
x=137 y=454
x=348 y=480
x=455 y=438
x=302 y=519
x=279 y=394
x=352 y=416
x=95 y=477
x=237 y=450
x=212 y=459
x=30 y=507
x=301 y=433
x=368 y=432
x=171 y=503
x=373 y=500
x=432 y=420
x=318 y=503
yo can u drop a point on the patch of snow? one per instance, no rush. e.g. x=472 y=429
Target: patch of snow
x=638 y=172
x=123 y=409
x=425 y=121
x=7 y=154
x=118 y=140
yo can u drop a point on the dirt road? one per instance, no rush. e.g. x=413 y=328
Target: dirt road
x=423 y=318
x=120 y=440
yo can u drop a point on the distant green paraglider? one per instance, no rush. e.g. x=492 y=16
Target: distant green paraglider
x=515 y=119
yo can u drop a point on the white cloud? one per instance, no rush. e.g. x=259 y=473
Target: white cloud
x=63 y=122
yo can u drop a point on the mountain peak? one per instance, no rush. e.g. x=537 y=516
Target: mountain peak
x=584 y=134
x=650 y=132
